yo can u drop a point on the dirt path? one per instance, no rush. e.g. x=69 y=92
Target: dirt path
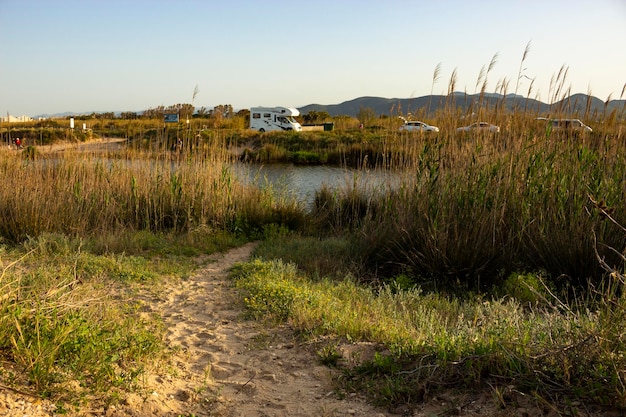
x=223 y=365
x=95 y=145
x=226 y=365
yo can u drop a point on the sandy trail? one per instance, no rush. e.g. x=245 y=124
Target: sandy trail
x=225 y=365
x=94 y=145
x=221 y=365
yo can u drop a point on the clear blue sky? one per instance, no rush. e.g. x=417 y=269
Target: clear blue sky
x=114 y=55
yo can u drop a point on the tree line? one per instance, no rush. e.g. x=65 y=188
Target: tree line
x=184 y=111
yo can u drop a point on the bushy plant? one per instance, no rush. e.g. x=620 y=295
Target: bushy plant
x=528 y=289
x=331 y=257
x=60 y=322
x=272 y=289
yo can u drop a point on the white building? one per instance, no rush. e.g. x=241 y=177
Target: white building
x=15 y=119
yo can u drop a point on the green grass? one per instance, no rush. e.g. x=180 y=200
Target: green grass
x=68 y=317
x=428 y=341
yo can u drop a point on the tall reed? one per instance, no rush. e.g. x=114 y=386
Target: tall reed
x=78 y=193
x=473 y=209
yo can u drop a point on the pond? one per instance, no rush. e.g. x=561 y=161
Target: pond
x=302 y=182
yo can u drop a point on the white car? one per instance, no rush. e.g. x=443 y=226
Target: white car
x=566 y=124
x=418 y=127
x=479 y=127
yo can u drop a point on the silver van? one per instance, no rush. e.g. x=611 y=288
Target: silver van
x=566 y=124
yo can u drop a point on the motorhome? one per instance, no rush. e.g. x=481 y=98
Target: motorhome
x=267 y=119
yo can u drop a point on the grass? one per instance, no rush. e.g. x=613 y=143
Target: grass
x=428 y=341
x=347 y=148
x=80 y=231
x=67 y=311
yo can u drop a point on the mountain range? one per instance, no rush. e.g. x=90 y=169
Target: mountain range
x=580 y=104
x=577 y=104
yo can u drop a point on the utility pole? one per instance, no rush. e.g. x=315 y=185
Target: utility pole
x=9 y=129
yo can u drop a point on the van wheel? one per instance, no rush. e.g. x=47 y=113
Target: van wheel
x=262 y=130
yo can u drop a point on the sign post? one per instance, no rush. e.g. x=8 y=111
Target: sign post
x=171 y=118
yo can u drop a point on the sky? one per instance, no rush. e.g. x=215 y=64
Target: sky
x=87 y=56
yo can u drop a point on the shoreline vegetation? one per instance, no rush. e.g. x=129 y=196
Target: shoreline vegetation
x=497 y=264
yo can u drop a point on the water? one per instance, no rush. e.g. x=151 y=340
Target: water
x=299 y=182
x=302 y=182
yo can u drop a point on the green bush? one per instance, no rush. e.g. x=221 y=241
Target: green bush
x=528 y=289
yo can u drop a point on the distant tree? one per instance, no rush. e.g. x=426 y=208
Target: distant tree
x=244 y=116
x=315 y=117
x=106 y=115
x=366 y=115
x=156 y=113
x=345 y=122
x=184 y=111
x=128 y=115
x=222 y=111
x=202 y=112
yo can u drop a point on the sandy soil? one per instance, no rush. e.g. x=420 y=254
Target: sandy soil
x=96 y=145
x=225 y=365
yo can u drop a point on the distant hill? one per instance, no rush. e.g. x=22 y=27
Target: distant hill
x=575 y=104
x=55 y=115
x=71 y=114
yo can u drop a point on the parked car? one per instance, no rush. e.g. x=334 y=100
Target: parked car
x=416 y=126
x=479 y=127
x=565 y=124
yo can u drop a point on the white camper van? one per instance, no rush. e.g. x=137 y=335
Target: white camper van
x=266 y=119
